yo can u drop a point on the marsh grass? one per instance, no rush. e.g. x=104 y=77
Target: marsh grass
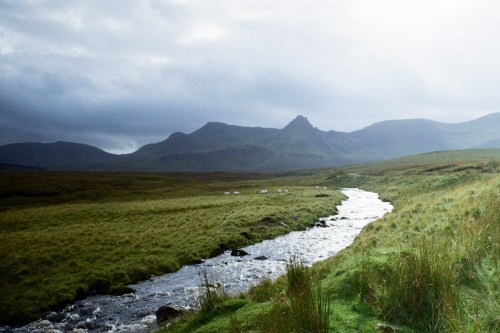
x=212 y=293
x=213 y=302
x=422 y=289
x=432 y=283
x=99 y=232
x=303 y=307
x=432 y=265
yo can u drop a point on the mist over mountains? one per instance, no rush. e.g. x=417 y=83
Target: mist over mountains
x=299 y=145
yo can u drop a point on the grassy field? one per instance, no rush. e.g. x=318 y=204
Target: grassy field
x=432 y=265
x=66 y=235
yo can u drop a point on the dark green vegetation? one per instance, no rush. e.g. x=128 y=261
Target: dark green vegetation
x=67 y=235
x=217 y=146
x=432 y=265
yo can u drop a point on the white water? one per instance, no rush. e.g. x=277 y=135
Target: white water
x=136 y=312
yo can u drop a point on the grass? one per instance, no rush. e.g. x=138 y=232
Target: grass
x=299 y=307
x=65 y=236
x=432 y=265
x=422 y=265
x=302 y=308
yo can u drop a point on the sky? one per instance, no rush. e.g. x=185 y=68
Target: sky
x=119 y=74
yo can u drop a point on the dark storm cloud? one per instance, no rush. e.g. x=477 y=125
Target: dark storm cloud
x=119 y=74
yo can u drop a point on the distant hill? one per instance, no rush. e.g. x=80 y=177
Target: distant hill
x=299 y=145
x=432 y=161
x=57 y=155
x=14 y=167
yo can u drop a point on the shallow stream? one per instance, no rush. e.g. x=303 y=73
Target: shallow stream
x=136 y=312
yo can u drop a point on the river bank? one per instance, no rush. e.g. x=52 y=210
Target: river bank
x=135 y=312
x=67 y=236
x=432 y=265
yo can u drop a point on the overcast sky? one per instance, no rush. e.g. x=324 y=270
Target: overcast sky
x=123 y=73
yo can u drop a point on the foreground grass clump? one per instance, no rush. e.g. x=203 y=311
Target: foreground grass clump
x=302 y=308
x=292 y=304
x=95 y=233
x=434 y=284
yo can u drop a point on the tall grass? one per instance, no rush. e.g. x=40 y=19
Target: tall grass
x=421 y=290
x=103 y=231
x=435 y=283
x=302 y=308
x=212 y=293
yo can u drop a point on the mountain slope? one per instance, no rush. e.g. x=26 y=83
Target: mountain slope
x=394 y=138
x=58 y=155
x=222 y=147
x=209 y=137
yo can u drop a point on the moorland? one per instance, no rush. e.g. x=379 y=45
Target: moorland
x=65 y=236
x=432 y=265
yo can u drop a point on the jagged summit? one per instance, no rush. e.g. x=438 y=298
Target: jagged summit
x=300 y=123
x=222 y=147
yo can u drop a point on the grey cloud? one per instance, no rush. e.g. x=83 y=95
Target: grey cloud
x=119 y=74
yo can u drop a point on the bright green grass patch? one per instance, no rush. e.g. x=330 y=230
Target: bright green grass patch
x=67 y=247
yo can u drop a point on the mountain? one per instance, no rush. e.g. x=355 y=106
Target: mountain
x=210 y=137
x=395 y=138
x=299 y=145
x=57 y=155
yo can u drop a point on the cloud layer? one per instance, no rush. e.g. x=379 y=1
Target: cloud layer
x=119 y=74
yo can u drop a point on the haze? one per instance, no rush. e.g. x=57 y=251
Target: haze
x=120 y=74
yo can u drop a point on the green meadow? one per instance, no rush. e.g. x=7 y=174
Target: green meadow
x=64 y=236
x=432 y=265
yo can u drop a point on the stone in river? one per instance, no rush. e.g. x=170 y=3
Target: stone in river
x=167 y=313
x=239 y=253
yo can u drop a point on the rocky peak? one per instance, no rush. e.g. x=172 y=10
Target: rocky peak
x=299 y=124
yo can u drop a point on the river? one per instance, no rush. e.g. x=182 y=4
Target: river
x=136 y=312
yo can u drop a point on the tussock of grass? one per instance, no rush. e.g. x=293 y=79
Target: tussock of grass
x=421 y=290
x=293 y=303
x=302 y=308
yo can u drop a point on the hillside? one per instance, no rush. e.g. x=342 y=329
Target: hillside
x=299 y=145
x=59 y=155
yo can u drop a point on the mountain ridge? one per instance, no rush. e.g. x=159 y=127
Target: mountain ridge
x=217 y=146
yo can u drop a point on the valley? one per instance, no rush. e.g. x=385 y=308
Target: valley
x=69 y=235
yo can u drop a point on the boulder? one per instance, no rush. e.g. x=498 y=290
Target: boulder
x=320 y=224
x=260 y=258
x=239 y=253
x=167 y=313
